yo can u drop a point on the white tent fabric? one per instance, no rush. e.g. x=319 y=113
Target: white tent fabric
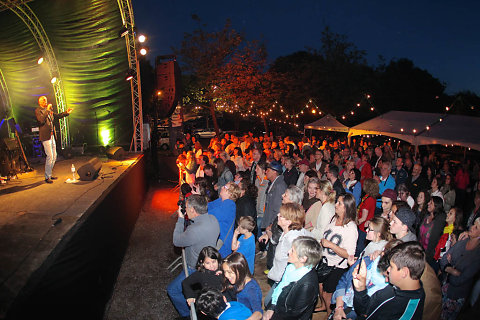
x=411 y=126
x=327 y=123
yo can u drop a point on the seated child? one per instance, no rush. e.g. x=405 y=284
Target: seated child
x=404 y=297
x=212 y=303
x=245 y=244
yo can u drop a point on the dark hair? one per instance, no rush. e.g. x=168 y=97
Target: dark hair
x=249 y=188
x=240 y=153
x=209 y=252
x=198 y=203
x=458 y=223
x=205 y=159
x=231 y=166
x=263 y=165
x=350 y=208
x=333 y=170
x=211 y=303
x=239 y=265
x=358 y=174
x=220 y=165
x=307 y=153
x=311 y=174
x=185 y=188
x=438 y=205
x=411 y=255
x=384 y=261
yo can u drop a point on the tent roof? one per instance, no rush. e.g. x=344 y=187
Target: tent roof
x=328 y=123
x=451 y=129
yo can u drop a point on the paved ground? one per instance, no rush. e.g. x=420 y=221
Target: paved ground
x=140 y=292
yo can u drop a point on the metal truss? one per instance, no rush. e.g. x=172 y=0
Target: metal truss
x=24 y=12
x=5 y=98
x=126 y=11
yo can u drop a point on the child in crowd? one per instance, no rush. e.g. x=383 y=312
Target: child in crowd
x=239 y=278
x=209 y=274
x=404 y=297
x=245 y=244
x=213 y=304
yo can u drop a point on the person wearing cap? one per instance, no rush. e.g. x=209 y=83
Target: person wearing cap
x=275 y=190
x=402 y=224
x=303 y=166
x=388 y=197
x=385 y=181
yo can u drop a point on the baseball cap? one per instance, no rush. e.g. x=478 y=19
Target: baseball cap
x=275 y=165
x=304 y=161
x=406 y=216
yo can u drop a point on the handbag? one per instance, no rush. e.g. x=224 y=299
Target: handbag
x=324 y=270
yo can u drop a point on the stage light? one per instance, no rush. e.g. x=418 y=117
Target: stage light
x=143 y=51
x=54 y=79
x=40 y=60
x=142 y=38
x=159 y=93
x=130 y=75
x=105 y=134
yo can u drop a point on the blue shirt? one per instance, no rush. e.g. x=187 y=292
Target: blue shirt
x=384 y=185
x=291 y=274
x=251 y=296
x=247 y=248
x=224 y=211
x=235 y=311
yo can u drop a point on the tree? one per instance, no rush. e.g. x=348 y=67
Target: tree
x=222 y=69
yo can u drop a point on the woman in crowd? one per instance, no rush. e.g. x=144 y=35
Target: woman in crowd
x=326 y=194
x=223 y=173
x=339 y=242
x=448 y=191
x=365 y=168
x=451 y=232
x=431 y=228
x=261 y=182
x=296 y=294
x=476 y=209
x=290 y=175
x=435 y=185
x=404 y=195
x=420 y=208
x=203 y=188
x=242 y=284
x=352 y=184
x=245 y=204
x=461 y=263
x=366 y=210
x=344 y=175
x=224 y=209
x=238 y=159
x=291 y=220
x=310 y=196
x=209 y=274
x=190 y=168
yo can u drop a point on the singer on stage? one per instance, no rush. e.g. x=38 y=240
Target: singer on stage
x=47 y=134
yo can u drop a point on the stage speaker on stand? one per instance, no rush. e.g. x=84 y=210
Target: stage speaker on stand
x=89 y=171
x=115 y=153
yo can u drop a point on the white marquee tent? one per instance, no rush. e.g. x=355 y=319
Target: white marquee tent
x=327 y=123
x=412 y=127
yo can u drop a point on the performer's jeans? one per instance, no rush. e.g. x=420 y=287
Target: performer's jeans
x=51 y=151
x=175 y=293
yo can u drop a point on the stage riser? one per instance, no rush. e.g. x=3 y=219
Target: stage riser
x=77 y=279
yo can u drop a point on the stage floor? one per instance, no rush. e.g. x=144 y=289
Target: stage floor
x=35 y=216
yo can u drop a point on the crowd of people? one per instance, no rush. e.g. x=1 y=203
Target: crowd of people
x=358 y=231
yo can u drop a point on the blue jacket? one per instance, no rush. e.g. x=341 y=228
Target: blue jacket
x=224 y=211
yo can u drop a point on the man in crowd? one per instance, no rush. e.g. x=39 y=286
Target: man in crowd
x=402 y=223
x=399 y=172
x=318 y=165
x=202 y=231
x=256 y=155
x=303 y=166
x=416 y=182
x=332 y=176
x=385 y=181
x=202 y=160
x=276 y=188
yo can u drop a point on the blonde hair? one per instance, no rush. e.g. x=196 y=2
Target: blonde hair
x=234 y=191
x=327 y=188
x=295 y=213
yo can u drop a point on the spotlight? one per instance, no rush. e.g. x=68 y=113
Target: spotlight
x=130 y=75
x=142 y=38
x=40 y=60
x=143 y=51
x=123 y=32
x=54 y=79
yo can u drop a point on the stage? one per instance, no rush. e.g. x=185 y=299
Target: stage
x=61 y=244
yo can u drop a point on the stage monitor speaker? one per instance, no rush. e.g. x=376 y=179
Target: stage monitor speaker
x=168 y=84
x=89 y=171
x=116 y=153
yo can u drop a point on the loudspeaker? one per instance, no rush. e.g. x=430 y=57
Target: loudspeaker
x=168 y=82
x=89 y=171
x=116 y=153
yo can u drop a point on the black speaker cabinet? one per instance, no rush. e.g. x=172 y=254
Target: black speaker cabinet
x=116 y=153
x=89 y=171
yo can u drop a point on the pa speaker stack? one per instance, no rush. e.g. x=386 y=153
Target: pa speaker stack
x=89 y=171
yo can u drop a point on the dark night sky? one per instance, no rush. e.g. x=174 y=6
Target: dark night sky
x=440 y=36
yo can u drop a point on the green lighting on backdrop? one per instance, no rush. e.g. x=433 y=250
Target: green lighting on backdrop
x=105 y=134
